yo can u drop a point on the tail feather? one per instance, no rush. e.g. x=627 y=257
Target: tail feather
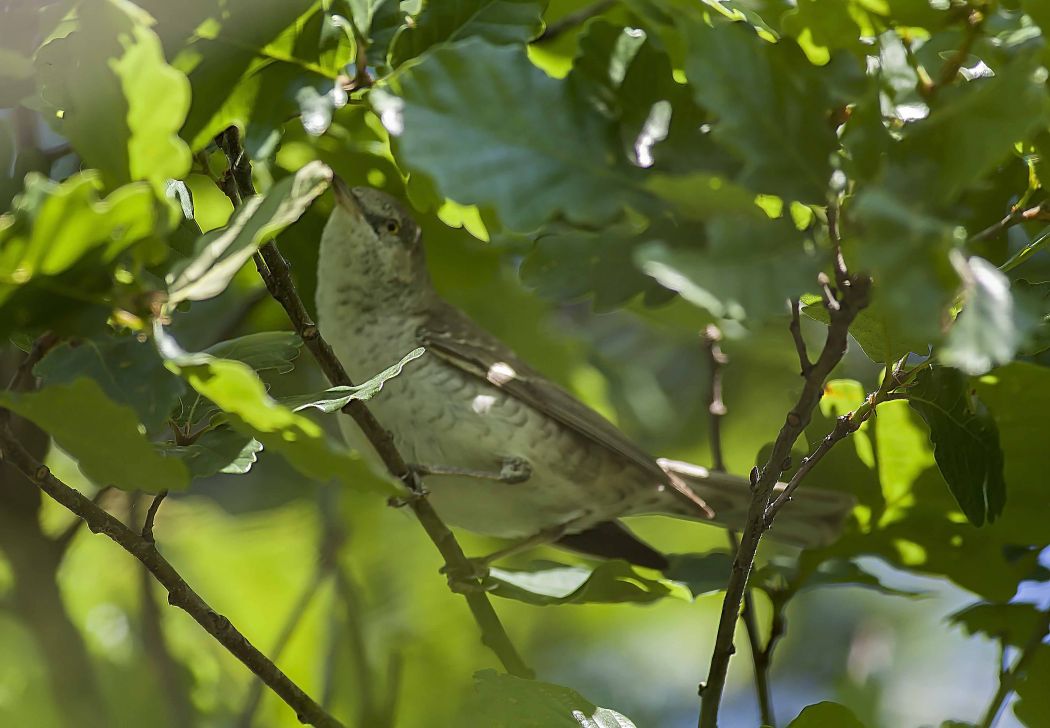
x=812 y=517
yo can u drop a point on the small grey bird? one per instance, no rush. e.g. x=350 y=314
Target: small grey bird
x=505 y=451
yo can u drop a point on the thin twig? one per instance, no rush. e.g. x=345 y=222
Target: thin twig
x=151 y=515
x=332 y=540
x=951 y=67
x=1017 y=216
x=168 y=671
x=854 y=292
x=800 y=344
x=844 y=426
x=571 y=20
x=24 y=379
x=180 y=594
x=1008 y=679
x=716 y=409
x=279 y=282
x=64 y=539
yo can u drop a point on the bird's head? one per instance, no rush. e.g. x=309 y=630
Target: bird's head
x=374 y=235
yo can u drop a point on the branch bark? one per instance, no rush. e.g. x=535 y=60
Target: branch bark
x=716 y=409
x=278 y=279
x=851 y=298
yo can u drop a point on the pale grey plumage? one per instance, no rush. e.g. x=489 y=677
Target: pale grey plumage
x=470 y=403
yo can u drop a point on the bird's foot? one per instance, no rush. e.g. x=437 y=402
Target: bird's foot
x=470 y=576
x=514 y=470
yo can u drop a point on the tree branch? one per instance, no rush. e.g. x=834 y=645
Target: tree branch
x=716 y=409
x=180 y=594
x=278 y=279
x=852 y=298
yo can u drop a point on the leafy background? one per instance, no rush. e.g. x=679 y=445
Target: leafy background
x=595 y=198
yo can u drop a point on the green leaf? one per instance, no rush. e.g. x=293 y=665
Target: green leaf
x=970 y=130
x=908 y=248
x=505 y=701
x=965 y=441
x=219 y=450
x=784 y=138
x=58 y=246
x=609 y=582
x=1012 y=623
x=986 y=333
x=748 y=272
x=826 y=715
x=115 y=98
x=237 y=391
x=1033 y=703
x=262 y=351
x=248 y=62
x=102 y=436
x=129 y=372
x=821 y=27
x=447 y=114
x=447 y=21
x=334 y=399
x=221 y=253
x=877 y=332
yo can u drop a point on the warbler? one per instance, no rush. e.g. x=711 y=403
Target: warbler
x=504 y=451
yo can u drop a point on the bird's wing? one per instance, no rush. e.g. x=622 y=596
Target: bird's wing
x=450 y=335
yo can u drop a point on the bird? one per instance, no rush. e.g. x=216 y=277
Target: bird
x=504 y=451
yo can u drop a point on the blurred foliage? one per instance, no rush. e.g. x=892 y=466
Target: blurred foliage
x=595 y=194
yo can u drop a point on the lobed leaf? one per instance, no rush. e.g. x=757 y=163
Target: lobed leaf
x=965 y=441
x=102 y=436
x=221 y=254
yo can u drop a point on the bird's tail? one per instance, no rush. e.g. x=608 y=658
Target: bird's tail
x=812 y=517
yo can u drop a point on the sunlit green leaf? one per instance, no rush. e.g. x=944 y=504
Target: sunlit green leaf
x=221 y=254
x=335 y=398
x=220 y=450
x=986 y=333
x=114 y=96
x=104 y=437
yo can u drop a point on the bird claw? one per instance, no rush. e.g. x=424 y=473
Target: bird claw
x=514 y=470
x=471 y=577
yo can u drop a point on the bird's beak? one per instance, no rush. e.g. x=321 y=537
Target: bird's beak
x=344 y=196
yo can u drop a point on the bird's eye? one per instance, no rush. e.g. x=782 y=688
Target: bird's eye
x=392 y=227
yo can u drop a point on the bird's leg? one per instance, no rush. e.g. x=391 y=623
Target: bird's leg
x=511 y=470
x=461 y=580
